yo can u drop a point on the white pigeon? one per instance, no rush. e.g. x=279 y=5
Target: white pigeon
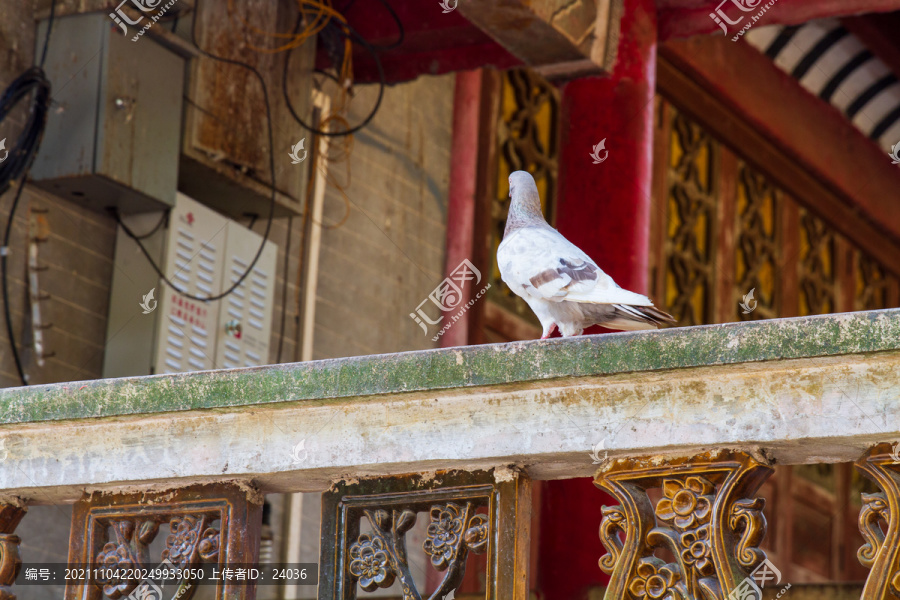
x=560 y=283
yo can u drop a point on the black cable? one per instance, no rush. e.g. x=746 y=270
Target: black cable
x=354 y=36
x=262 y=244
x=17 y=163
x=3 y=268
x=163 y=219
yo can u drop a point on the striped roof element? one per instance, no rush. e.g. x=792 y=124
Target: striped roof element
x=833 y=64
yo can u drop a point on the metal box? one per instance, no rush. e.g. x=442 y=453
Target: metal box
x=203 y=253
x=113 y=134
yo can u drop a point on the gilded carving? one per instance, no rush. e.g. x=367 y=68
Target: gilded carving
x=705 y=518
x=879 y=523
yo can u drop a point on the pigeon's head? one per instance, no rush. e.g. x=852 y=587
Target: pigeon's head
x=525 y=205
x=522 y=181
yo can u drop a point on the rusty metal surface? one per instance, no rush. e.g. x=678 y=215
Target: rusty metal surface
x=218 y=523
x=371 y=560
x=225 y=147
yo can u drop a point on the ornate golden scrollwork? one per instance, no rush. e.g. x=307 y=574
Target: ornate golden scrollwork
x=879 y=523
x=706 y=518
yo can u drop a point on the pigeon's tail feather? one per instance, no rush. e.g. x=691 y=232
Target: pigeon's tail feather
x=640 y=317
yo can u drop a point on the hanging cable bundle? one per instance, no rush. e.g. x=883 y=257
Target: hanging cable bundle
x=32 y=82
x=15 y=165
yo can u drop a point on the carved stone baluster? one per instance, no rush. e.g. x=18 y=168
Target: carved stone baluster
x=706 y=518
x=879 y=523
x=10 y=562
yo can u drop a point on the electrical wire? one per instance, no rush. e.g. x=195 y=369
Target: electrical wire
x=18 y=162
x=350 y=34
x=262 y=244
x=164 y=218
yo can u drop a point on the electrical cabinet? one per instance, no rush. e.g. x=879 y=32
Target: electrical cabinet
x=114 y=130
x=204 y=253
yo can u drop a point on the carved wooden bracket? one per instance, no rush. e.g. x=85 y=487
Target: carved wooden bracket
x=879 y=523
x=467 y=512
x=556 y=39
x=10 y=561
x=217 y=524
x=706 y=518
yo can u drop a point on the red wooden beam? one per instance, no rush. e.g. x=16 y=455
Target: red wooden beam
x=686 y=18
x=803 y=143
x=433 y=42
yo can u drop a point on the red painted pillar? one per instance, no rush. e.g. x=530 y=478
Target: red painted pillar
x=605 y=210
x=461 y=192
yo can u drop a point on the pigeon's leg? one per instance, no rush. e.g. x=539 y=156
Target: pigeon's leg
x=549 y=331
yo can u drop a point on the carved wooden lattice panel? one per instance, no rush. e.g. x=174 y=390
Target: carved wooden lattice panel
x=721 y=228
x=817 y=266
x=217 y=524
x=725 y=229
x=526 y=140
x=874 y=286
x=757 y=243
x=365 y=526
x=690 y=223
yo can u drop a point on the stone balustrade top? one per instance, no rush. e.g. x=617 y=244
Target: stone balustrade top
x=802 y=390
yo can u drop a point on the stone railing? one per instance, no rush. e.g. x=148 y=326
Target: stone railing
x=699 y=414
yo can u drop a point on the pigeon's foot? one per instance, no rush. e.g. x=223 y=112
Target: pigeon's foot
x=549 y=332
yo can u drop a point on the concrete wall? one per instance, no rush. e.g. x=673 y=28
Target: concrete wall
x=389 y=254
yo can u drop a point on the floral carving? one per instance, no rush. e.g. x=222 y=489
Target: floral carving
x=443 y=534
x=380 y=557
x=697 y=493
x=370 y=563
x=687 y=504
x=114 y=556
x=185 y=544
x=129 y=550
x=696 y=551
x=182 y=541
x=656 y=580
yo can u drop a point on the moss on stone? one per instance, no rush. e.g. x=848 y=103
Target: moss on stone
x=513 y=363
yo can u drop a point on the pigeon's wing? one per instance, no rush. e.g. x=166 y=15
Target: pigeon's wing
x=544 y=265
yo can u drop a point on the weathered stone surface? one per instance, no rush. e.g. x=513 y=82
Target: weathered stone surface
x=464 y=367
x=792 y=391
